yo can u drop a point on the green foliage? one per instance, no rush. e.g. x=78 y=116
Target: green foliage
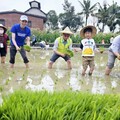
x=69 y=18
x=100 y=36
x=87 y=9
x=46 y=36
x=52 y=20
x=67 y=105
x=51 y=36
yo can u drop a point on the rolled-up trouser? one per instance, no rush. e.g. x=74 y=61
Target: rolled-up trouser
x=88 y=61
x=111 y=59
x=13 y=52
x=56 y=56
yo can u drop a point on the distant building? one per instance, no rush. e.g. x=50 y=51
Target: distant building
x=36 y=16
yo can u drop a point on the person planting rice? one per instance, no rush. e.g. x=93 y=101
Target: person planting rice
x=88 y=46
x=113 y=53
x=3 y=42
x=20 y=34
x=62 y=48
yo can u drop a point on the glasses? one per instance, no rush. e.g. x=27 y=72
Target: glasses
x=24 y=21
x=66 y=35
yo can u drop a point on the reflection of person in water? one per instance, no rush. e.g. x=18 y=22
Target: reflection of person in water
x=33 y=40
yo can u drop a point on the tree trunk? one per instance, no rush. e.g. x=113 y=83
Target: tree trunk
x=86 y=21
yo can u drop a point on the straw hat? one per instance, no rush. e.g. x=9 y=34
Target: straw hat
x=67 y=31
x=5 y=29
x=94 y=30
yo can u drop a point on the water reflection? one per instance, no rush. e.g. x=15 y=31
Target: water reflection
x=98 y=87
x=59 y=78
x=74 y=83
x=59 y=73
x=46 y=84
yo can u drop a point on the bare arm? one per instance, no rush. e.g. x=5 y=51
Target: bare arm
x=14 y=42
x=28 y=41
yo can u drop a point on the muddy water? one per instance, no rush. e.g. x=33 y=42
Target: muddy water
x=38 y=77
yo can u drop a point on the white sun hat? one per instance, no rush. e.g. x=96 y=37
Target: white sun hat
x=67 y=31
x=24 y=17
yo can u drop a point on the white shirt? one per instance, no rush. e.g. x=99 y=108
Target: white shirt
x=88 y=47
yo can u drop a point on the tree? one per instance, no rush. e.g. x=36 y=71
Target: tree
x=114 y=16
x=87 y=9
x=103 y=16
x=52 y=20
x=69 y=18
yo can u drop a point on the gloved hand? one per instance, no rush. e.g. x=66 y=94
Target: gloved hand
x=118 y=57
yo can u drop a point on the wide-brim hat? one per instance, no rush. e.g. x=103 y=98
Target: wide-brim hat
x=2 y=26
x=67 y=31
x=94 y=30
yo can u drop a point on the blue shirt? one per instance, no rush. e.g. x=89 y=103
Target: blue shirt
x=115 y=47
x=20 y=34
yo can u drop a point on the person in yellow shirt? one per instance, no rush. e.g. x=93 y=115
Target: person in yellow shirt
x=62 y=48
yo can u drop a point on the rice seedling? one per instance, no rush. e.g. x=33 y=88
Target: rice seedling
x=101 y=49
x=67 y=105
x=1 y=88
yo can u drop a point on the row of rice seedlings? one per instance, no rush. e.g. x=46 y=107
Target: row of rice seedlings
x=67 y=105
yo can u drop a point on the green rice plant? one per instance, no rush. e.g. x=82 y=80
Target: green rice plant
x=69 y=53
x=101 y=49
x=7 y=81
x=27 y=48
x=8 y=42
x=67 y=105
x=1 y=88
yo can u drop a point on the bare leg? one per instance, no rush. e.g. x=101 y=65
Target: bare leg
x=50 y=65
x=2 y=60
x=91 y=71
x=69 y=64
x=27 y=65
x=107 y=71
x=83 y=72
x=11 y=65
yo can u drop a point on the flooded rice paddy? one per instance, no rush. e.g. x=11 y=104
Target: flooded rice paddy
x=38 y=77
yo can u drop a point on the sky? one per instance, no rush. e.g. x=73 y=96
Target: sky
x=46 y=5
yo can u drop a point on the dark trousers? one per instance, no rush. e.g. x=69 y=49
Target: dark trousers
x=13 y=52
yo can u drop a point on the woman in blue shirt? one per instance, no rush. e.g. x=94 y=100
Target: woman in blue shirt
x=20 y=34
